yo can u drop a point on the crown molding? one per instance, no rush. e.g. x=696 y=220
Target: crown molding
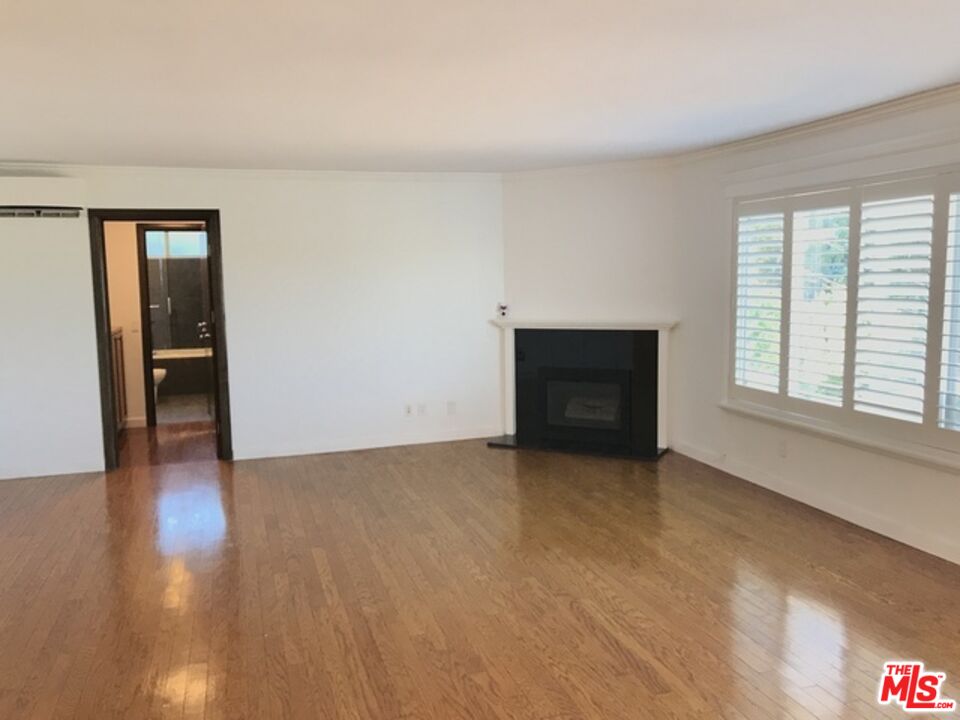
x=14 y=169
x=934 y=97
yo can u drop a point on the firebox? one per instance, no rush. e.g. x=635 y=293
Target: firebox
x=587 y=391
x=585 y=404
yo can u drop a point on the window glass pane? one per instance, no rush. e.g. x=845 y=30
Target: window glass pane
x=187 y=244
x=949 y=414
x=893 y=298
x=818 y=304
x=155 y=243
x=759 y=286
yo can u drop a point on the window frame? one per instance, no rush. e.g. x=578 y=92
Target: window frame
x=916 y=440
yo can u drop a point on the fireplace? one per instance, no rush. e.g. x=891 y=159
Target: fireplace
x=585 y=404
x=586 y=390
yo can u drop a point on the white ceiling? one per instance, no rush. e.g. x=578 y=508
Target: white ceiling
x=444 y=84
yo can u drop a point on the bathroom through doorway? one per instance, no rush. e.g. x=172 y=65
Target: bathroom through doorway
x=160 y=327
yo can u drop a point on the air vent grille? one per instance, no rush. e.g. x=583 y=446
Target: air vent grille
x=9 y=211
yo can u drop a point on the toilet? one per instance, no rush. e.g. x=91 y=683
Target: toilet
x=158 y=375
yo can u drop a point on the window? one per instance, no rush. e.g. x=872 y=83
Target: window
x=156 y=244
x=818 y=304
x=892 y=308
x=949 y=410
x=183 y=244
x=176 y=244
x=847 y=309
x=759 y=282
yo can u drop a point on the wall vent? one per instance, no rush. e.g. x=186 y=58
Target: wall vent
x=12 y=211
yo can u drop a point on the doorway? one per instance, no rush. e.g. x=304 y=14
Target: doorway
x=176 y=321
x=184 y=393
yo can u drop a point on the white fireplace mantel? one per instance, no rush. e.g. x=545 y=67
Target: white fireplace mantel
x=508 y=367
x=511 y=323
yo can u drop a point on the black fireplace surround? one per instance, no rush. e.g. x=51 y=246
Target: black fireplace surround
x=591 y=391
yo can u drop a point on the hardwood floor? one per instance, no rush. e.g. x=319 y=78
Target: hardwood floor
x=168 y=444
x=451 y=581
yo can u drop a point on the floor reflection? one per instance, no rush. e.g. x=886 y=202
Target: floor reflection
x=170 y=541
x=176 y=595
x=603 y=508
x=190 y=520
x=188 y=685
x=815 y=651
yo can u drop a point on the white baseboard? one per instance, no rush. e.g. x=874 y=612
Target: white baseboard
x=368 y=443
x=885 y=525
x=34 y=473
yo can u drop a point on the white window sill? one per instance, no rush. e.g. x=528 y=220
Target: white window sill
x=915 y=452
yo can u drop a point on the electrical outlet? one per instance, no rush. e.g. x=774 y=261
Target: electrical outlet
x=408 y=410
x=421 y=409
x=451 y=407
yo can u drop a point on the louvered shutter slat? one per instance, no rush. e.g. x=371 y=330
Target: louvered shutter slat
x=892 y=307
x=818 y=302
x=759 y=297
x=948 y=411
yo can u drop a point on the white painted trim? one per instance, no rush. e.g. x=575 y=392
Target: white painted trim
x=509 y=401
x=510 y=323
x=888 y=526
x=935 y=97
x=348 y=444
x=663 y=385
x=881 y=162
x=31 y=170
x=71 y=473
x=920 y=453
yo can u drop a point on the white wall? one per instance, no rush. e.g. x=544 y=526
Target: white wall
x=348 y=295
x=593 y=243
x=49 y=392
x=123 y=283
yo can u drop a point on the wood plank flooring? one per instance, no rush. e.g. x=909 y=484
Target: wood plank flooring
x=169 y=443
x=451 y=581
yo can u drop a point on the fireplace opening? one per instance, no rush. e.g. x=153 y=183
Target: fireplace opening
x=584 y=404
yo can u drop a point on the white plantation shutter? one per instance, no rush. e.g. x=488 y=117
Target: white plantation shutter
x=818 y=304
x=892 y=307
x=949 y=407
x=758 y=306
x=847 y=312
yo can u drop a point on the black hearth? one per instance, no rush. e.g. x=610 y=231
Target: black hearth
x=587 y=391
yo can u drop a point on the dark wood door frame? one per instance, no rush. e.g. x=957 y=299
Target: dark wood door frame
x=146 y=327
x=211 y=218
